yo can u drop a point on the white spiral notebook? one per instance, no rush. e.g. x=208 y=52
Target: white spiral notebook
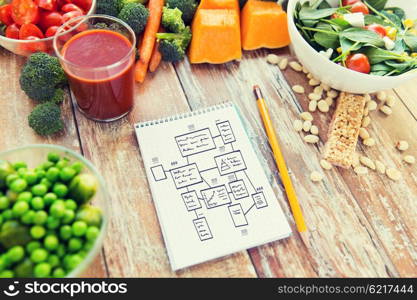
x=210 y=191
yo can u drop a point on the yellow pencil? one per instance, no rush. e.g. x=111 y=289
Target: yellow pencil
x=279 y=159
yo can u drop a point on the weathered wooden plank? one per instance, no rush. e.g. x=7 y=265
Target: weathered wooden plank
x=15 y=107
x=134 y=245
x=344 y=242
x=408 y=95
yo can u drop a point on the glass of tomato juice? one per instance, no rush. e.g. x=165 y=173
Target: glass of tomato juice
x=97 y=53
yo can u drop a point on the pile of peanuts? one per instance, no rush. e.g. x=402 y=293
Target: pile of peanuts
x=322 y=99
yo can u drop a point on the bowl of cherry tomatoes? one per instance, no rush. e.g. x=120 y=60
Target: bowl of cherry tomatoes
x=28 y=26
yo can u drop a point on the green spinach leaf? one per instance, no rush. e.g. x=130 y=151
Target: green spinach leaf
x=394 y=18
x=316 y=14
x=324 y=39
x=377 y=4
x=378 y=55
x=398 y=11
x=363 y=36
x=411 y=42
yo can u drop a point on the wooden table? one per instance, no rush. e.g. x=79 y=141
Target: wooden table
x=360 y=225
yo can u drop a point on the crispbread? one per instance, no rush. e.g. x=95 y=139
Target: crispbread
x=344 y=130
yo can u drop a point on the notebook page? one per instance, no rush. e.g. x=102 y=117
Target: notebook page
x=211 y=193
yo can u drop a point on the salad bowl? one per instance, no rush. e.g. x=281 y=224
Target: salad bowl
x=339 y=77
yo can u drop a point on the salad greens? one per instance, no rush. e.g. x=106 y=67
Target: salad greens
x=383 y=38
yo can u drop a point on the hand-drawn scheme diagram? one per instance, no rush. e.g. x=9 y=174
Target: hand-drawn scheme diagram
x=223 y=185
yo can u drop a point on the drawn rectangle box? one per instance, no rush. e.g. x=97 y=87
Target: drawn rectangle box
x=230 y=162
x=239 y=189
x=191 y=200
x=226 y=132
x=216 y=196
x=195 y=142
x=158 y=173
x=203 y=229
x=259 y=199
x=186 y=176
x=238 y=216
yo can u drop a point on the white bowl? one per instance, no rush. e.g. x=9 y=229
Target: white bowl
x=336 y=76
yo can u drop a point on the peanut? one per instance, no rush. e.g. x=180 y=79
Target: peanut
x=329 y=101
x=307 y=126
x=311 y=139
x=381 y=96
x=318 y=90
x=326 y=165
x=283 y=64
x=296 y=66
x=298 y=89
x=355 y=160
x=393 y=174
x=364 y=134
x=386 y=110
x=367 y=162
x=366 y=121
x=371 y=105
x=306 y=116
x=314 y=96
x=409 y=159
x=323 y=106
x=332 y=94
x=390 y=101
x=312 y=106
x=314 y=130
x=314 y=82
x=272 y=59
x=369 y=142
x=316 y=176
x=402 y=145
x=325 y=87
x=360 y=170
x=298 y=125
x=380 y=167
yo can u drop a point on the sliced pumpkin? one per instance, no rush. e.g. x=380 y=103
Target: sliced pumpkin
x=219 y=4
x=216 y=36
x=264 y=25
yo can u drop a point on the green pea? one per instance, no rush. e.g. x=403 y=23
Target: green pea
x=51 y=242
x=4 y=262
x=39 y=255
x=25 y=196
x=46 y=182
x=46 y=165
x=37 y=232
x=31 y=177
x=40 y=217
x=61 y=250
x=7 y=214
x=88 y=245
x=73 y=261
x=19 y=164
x=71 y=204
x=62 y=164
x=39 y=190
x=37 y=203
x=4 y=202
x=22 y=172
x=6 y=274
x=28 y=217
x=10 y=178
x=68 y=216
x=1 y=220
x=65 y=232
x=92 y=233
x=52 y=223
x=18 y=185
x=78 y=167
x=57 y=209
x=67 y=174
x=31 y=246
x=79 y=228
x=58 y=273
x=40 y=174
x=53 y=174
x=75 y=244
x=16 y=254
x=49 y=198
x=19 y=208
x=42 y=270
x=61 y=190
x=12 y=195
x=54 y=260
x=53 y=157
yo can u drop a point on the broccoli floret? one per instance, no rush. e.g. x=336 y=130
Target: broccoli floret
x=188 y=8
x=124 y=2
x=173 y=45
x=58 y=97
x=136 y=15
x=109 y=7
x=41 y=76
x=45 y=119
x=172 y=20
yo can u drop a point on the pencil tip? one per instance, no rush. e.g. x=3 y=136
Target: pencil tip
x=255 y=87
x=257 y=91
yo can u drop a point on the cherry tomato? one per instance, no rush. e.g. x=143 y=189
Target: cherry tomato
x=358 y=62
x=379 y=29
x=12 y=31
x=50 y=5
x=6 y=14
x=28 y=30
x=50 y=18
x=34 y=47
x=360 y=7
x=51 y=31
x=71 y=7
x=71 y=15
x=349 y=2
x=83 y=4
x=25 y=12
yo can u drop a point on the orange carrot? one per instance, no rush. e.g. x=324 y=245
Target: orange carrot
x=149 y=38
x=156 y=55
x=155 y=59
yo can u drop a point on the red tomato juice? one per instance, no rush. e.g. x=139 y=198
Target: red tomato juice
x=100 y=68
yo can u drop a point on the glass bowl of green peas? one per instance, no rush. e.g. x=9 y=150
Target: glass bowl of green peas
x=53 y=212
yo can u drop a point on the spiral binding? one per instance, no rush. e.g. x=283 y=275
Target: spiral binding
x=185 y=115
